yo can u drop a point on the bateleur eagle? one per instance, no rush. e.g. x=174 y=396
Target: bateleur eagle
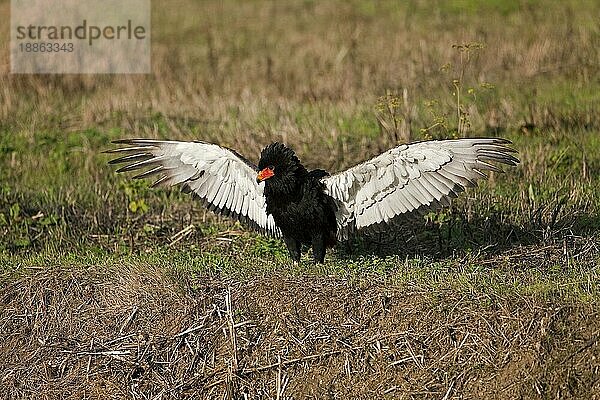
x=281 y=198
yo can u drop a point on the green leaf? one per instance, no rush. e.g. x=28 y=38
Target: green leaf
x=531 y=192
x=149 y=229
x=142 y=206
x=22 y=242
x=138 y=206
x=49 y=220
x=14 y=211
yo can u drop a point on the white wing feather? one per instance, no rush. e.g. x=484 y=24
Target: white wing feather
x=221 y=178
x=417 y=176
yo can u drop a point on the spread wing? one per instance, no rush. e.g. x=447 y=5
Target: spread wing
x=407 y=178
x=221 y=178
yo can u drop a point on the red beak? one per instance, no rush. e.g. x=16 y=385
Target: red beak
x=264 y=174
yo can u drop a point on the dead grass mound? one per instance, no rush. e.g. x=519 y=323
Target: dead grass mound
x=133 y=332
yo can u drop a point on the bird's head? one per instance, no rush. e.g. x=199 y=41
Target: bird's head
x=279 y=166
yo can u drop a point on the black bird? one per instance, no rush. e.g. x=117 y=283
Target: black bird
x=281 y=198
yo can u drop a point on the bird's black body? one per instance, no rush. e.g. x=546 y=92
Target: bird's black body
x=296 y=198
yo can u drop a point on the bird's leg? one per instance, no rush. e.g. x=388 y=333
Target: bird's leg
x=318 y=247
x=293 y=247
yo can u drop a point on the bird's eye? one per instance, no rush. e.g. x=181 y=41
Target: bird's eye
x=272 y=168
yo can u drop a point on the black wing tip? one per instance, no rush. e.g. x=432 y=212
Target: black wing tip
x=132 y=158
x=510 y=160
x=505 y=149
x=514 y=161
x=489 y=138
x=112 y=151
x=507 y=160
x=131 y=141
x=124 y=169
x=502 y=140
x=136 y=144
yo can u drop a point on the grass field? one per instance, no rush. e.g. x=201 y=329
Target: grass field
x=111 y=289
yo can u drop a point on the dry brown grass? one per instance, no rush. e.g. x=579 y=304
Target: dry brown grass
x=223 y=70
x=128 y=332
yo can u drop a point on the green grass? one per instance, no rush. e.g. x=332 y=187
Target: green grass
x=252 y=74
x=568 y=279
